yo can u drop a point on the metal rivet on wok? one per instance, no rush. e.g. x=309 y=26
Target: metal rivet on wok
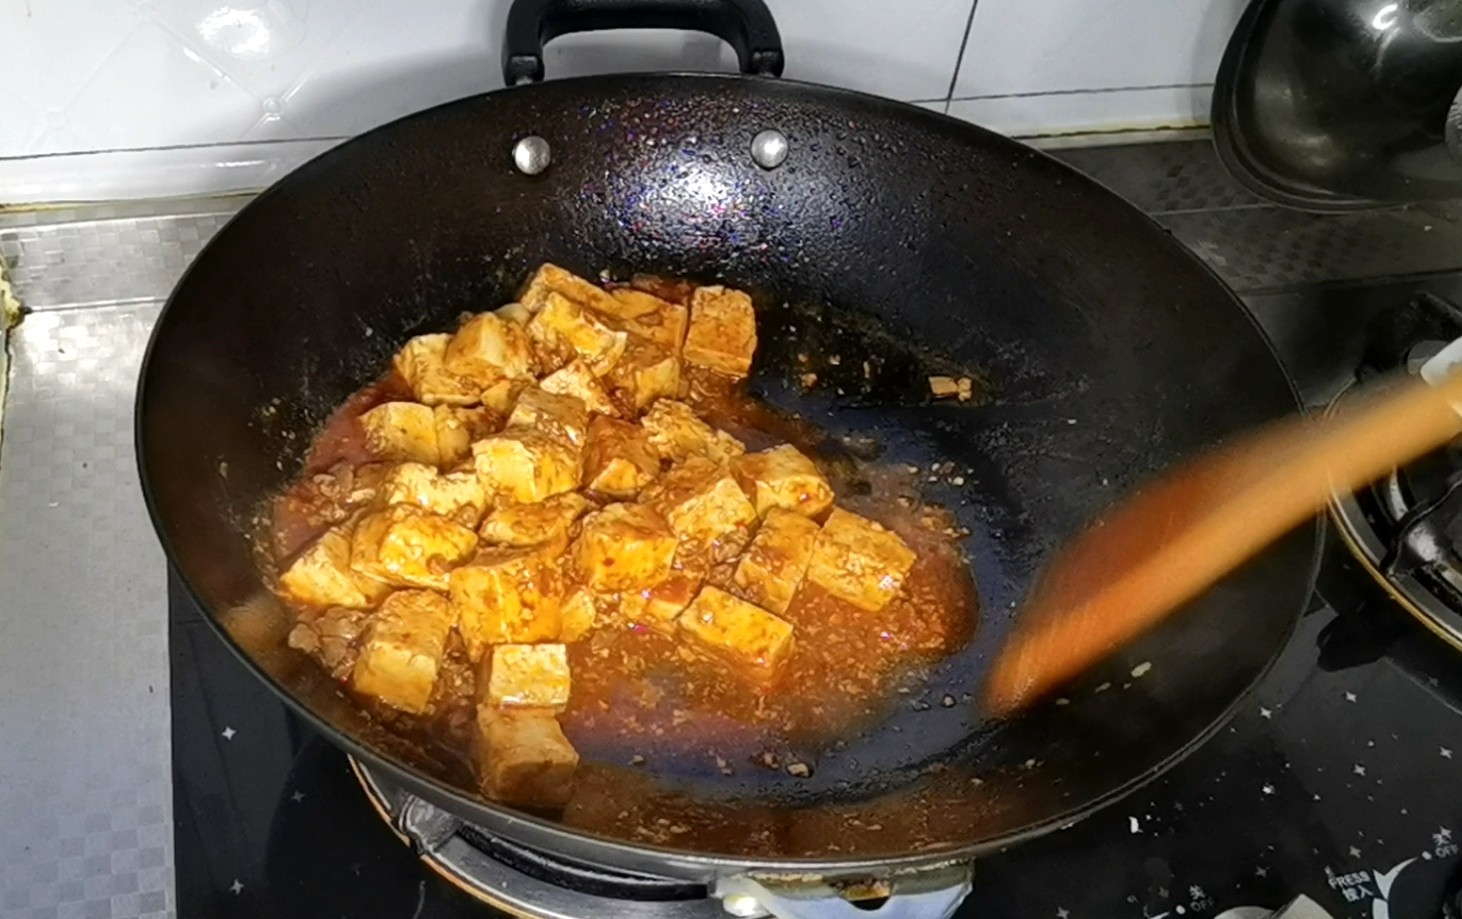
x=532 y=155
x=769 y=149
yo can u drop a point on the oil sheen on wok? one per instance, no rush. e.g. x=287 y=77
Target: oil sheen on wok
x=564 y=534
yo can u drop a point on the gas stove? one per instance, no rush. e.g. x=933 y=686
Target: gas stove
x=1332 y=793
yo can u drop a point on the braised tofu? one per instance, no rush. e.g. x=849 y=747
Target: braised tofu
x=722 y=333
x=551 y=279
x=858 y=560
x=563 y=415
x=516 y=313
x=773 y=566
x=406 y=546
x=534 y=524
x=618 y=459
x=457 y=496
x=502 y=396
x=321 y=576
x=401 y=432
x=403 y=648
x=457 y=427
x=508 y=595
x=329 y=636
x=624 y=547
x=528 y=676
x=658 y=607
x=525 y=465
x=488 y=349
x=752 y=642
x=577 y=380
x=648 y=317
x=523 y=759
x=783 y=477
x=647 y=371
x=422 y=364
x=579 y=616
x=701 y=501
x=677 y=433
x=562 y=331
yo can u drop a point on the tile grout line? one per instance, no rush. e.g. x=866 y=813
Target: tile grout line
x=959 y=59
x=1080 y=92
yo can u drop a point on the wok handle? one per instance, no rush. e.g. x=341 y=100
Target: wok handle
x=745 y=25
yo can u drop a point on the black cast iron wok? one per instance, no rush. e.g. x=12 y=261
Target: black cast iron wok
x=891 y=234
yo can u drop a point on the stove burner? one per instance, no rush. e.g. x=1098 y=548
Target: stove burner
x=523 y=882
x=531 y=884
x=1407 y=529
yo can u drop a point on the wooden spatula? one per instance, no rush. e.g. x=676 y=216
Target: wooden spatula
x=1173 y=539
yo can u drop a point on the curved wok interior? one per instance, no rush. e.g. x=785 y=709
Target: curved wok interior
x=1107 y=351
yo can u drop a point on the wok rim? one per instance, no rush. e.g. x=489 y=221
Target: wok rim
x=550 y=836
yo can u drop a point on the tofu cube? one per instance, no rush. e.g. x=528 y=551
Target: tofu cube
x=402 y=653
x=488 y=349
x=502 y=396
x=528 y=676
x=457 y=427
x=575 y=379
x=508 y=595
x=422 y=364
x=516 y=313
x=409 y=547
x=562 y=331
x=564 y=416
x=401 y=432
x=551 y=279
x=330 y=637
x=658 y=607
x=701 y=501
x=773 y=566
x=624 y=547
x=523 y=759
x=783 y=477
x=647 y=371
x=457 y=496
x=526 y=465
x=752 y=642
x=534 y=524
x=648 y=317
x=322 y=576
x=722 y=333
x=859 y=561
x=579 y=616
x=618 y=459
x=677 y=434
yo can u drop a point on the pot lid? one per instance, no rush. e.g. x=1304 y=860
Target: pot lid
x=1342 y=104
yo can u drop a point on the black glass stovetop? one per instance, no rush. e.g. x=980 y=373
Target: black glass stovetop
x=1340 y=779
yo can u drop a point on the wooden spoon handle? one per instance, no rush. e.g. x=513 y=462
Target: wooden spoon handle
x=1182 y=533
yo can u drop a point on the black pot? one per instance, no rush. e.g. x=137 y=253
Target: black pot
x=1107 y=351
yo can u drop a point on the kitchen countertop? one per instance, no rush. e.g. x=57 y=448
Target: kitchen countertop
x=86 y=805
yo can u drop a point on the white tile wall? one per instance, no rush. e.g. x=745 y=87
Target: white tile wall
x=108 y=98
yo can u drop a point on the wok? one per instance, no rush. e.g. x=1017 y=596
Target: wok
x=1104 y=351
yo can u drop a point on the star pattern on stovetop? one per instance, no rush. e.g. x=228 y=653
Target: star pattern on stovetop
x=236 y=888
x=228 y=733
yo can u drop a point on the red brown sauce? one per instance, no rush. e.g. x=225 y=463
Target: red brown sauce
x=636 y=694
